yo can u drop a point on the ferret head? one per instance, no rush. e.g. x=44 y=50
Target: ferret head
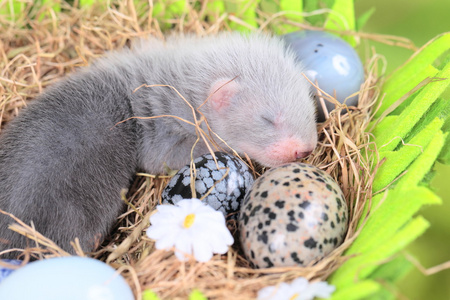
x=264 y=106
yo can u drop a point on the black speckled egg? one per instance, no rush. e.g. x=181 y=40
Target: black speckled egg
x=227 y=194
x=294 y=214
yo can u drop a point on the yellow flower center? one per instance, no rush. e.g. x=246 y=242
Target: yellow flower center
x=294 y=297
x=189 y=220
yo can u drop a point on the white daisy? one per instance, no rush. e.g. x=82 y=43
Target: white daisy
x=191 y=227
x=299 y=289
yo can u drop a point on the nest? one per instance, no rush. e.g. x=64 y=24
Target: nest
x=36 y=51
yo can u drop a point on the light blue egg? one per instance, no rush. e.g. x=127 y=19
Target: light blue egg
x=331 y=61
x=68 y=278
x=5 y=271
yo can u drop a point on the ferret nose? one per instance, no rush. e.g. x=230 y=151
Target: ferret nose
x=300 y=154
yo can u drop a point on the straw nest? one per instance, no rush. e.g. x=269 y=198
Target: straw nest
x=35 y=52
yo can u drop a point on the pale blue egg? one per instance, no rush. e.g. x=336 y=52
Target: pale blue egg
x=68 y=278
x=5 y=271
x=330 y=61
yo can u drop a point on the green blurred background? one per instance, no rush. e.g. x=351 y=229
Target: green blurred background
x=420 y=21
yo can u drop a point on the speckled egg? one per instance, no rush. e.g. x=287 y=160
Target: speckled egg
x=224 y=193
x=330 y=61
x=294 y=214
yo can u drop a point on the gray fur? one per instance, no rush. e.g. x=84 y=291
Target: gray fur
x=63 y=162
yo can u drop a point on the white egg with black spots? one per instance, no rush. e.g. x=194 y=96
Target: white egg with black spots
x=293 y=215
x=68 y=278
x=330 y=61
x=224 y=184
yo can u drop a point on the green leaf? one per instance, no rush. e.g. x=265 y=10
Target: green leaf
x=313 y=5
x=359 y=290
x=394 y=270
x=86 y=2
x=149 y=295
x=292 y=6
x=422 y=165
x=245 y=10
x=164 y=10
x=397 y=161
x=361 y=266
x=54 y=5
x=12 y=9
x=444 y=156
x=390 y=137
x=422 y=59
x=214 y=9
x=440 y=109
x=342 y=17
x=393 y=93
x=397 y=208
x=197 y=295
x=389 y=273
x=362 y=20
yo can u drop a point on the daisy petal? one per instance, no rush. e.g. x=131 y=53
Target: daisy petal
x=204 y=233
x=202 y=250
x=322 y=289
x=183 y=244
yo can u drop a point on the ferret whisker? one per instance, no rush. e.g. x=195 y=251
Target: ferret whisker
x=153 y=117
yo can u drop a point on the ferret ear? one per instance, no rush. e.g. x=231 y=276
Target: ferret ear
x=221 y=93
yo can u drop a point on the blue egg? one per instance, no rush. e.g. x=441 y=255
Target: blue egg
x=330 y=61
x=5 y=271
x=69 y=278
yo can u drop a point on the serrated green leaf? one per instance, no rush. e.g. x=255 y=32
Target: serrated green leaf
x=393 y=271
x=356 y=291
x=442 y=60
x=385 y=220
x=362 y=20
x=361 y=266
x=423 y=59
x=422 y=165
x=397 y=161
x=440 y=109
x=382 y=294
x=444 y=156
x=390 y=137
x=392 y=93
x=384 y=125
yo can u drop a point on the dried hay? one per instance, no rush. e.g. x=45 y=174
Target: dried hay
x=35 y=52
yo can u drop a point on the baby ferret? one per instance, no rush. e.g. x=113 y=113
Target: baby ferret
x=65 y=159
